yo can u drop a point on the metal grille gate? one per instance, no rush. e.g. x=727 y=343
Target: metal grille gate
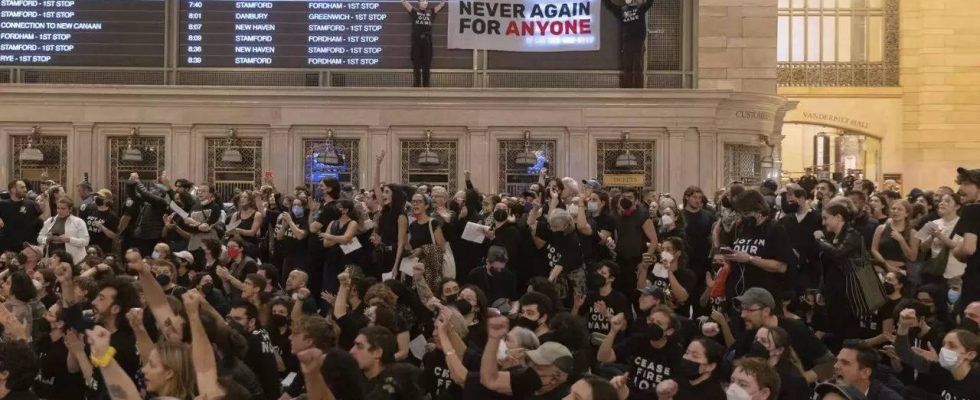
x=742 y=163
x=515 y=179
x=443 y=174
x=231 y=177
x=153 y=149
x=608 y=150
x=347 y=173
x=54 y=166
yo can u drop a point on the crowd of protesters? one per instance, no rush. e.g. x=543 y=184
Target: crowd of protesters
x=571 y=290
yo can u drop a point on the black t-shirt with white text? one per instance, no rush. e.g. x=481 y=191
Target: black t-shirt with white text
x=768 y=241
x=436 y=379
x=261 y=358
x=616 y=303
x=92 y=217
x=422 y=21
x=647 y=366
x=53 y=381
x=525 y=382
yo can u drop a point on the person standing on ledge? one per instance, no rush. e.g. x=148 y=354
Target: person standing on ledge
x=632 y=34
x=422 y=18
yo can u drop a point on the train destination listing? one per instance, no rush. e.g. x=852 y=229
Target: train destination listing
x=82 y=32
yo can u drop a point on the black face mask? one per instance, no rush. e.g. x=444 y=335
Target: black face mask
x=279 y=321
x=790 y=208
x=451 y=298
x=889 y=288
x=726 y=202
x=207 y=288
x=463 y=306
x=625 y=204
x=748 y=223
x=689 y=369
x=594 y=281
x=758 y=350
x=654 y=332
x=500 y=215
x=526 y=323
x=99 y=201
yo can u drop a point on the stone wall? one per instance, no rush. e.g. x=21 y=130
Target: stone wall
x=941 y=81
x=737 y=45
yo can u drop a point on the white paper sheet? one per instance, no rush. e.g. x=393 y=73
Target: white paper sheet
x=386 y=276
x=351 y=246
x=406 y=265
x=233 y=225
x=474 y=232
x=179 y=211
x=417 y=346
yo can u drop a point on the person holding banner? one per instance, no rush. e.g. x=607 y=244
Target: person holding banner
x=632 y=33
x=422 y=18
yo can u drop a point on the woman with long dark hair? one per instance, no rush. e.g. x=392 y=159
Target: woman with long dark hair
x=339 y=233
x=426 y=239
x=291 y=232
x=391 y=226
x=839 y=247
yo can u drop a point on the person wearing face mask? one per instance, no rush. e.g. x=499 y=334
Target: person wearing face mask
x=260 y=357
x=291 y=232
x=670 y=273
x=800 y=221
x=753 y=379
x=634 y=230
x=600 y=218
x=652 y=356
x=560 y=239
x=513 y=235
x=954 y=371
x=878 y=330
x=601 y=302
x=773 y=345
x=671 y=223
x=698 y=371
x=101 y=222
x=536 y=309
x=164 y=272
x=496 y=281
x=760 y=252
x=546 y=377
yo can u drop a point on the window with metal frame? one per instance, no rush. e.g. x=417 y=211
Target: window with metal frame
x=516 y=172
x=229 y=174
x=743 y=163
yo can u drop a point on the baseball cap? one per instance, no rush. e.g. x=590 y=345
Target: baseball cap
x=757 y=297
x=651 y=290
x=592 y=183
x=553 y=353
x=33 y=248
x=968 y=175
x=85 y=185
x=849 y=392
x=185 y=255
x=104 y=193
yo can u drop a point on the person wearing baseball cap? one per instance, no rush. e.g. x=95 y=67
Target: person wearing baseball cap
x=549 y=367
x=759 y=310
x=968 y=227
x=832 y=391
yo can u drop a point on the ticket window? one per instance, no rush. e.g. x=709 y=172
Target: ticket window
x=623 y=164
x=430 y=162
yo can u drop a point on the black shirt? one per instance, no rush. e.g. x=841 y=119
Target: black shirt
x=92 y=217
x=21 y=223
x=54 y=382
x=967 y=388
x=436 y=379
x=261 y=359
x=500 y=285
x=970 y=223
x=799 y=234
x=291 y=246
x=127 y=356
x=807 y=346
x=647 y=366
x=561 y=248
x=616 y=303
x=698 y=231
x=633 y=23
x=422 y=23
x=420 y=235
x=767 y=241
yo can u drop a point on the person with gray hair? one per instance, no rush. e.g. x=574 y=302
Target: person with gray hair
x=557 y=236
x=498 y=282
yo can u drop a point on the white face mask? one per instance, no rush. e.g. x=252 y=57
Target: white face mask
x=948 y=358
x=666 y=220
x=593 y=206
x=502 y=351
x=666 y=256
x=155 y=255
x=735 y=392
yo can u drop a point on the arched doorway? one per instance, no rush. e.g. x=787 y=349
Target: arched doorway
x=830 y=152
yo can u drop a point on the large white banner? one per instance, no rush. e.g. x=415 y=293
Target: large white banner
x=524 y=25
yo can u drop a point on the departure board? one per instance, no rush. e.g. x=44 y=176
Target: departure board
x=306 y=34
x=82 y=32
